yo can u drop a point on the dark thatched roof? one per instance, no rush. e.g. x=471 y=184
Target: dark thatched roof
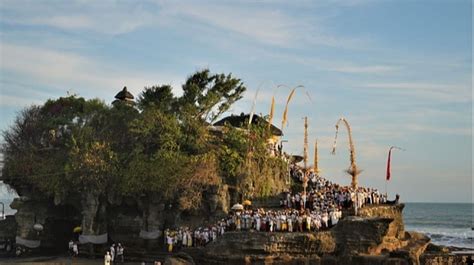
x=242 y=120
x=296 y=158
x=124 y=95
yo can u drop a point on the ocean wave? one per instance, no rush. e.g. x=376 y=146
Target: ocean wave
x=458 y=237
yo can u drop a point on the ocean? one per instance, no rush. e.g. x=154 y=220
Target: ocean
x=447 y=224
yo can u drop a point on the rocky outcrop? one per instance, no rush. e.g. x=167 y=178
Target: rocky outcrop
x=395 y=212
x=446 y=258
x=362 y=235
x=29 y=213
x=376 y=236
x=254 y=247
x=441 y=255
x=179 y=259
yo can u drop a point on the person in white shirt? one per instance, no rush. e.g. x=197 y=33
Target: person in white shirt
x=112 y=252
x=334 y=217
x=75 y=250
x=184 y=242
x=290 y=224
x=258 y=222
x=107 y=259
x=120 y=250
x=324 y=219
x=71 y=244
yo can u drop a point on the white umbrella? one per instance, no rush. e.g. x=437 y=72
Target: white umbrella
x=238 y=207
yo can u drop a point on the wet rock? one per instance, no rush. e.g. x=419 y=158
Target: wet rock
x=180 y=258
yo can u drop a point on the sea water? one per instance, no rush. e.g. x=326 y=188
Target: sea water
x=448 y=224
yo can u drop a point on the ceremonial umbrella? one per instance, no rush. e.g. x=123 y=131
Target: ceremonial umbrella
x=38 y=227
x=238 y=207
x=247 y=203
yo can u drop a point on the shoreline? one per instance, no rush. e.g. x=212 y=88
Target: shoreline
x=64 y=259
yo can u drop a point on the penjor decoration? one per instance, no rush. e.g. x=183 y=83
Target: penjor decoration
x=352 y=170
x=315 y=164
x=285 y=112
x=272 y=112
x=389 y=160
x=305 y=158
x=252 y=111
x=388 y=166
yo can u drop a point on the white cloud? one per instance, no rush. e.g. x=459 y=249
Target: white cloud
x=260 y=22
x=438 y=129
x=415 y=86
x=433 y=91
x=370 y=69
x=105 y=17
x=14 y=101
x=265 y=26
x=68 y=71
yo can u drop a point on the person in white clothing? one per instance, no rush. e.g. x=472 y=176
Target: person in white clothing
x=112 y=252
x=258 y=222
x=107 y=259
x=120 y=250
x=71 y=245
x=75 y=250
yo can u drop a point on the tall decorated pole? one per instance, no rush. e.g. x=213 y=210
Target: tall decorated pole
x=305 y=159
x=315 y=165
x=352 y=170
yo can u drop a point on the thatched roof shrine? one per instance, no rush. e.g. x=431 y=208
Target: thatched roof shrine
x=241 y=121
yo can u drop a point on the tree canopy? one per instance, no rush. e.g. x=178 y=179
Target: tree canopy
x=160 y=145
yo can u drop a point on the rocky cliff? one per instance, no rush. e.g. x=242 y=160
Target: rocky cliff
x=137 y=222
x=375 y=236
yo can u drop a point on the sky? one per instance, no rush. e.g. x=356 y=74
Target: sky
x=399 y=71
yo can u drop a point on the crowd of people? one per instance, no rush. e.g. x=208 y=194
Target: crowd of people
x=184 y=237
x=114 y=255
x=319 y=209
x=323 y=194
x=284 y=220
x=259 y=220
x=73 y=248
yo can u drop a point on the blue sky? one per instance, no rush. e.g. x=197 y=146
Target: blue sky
x=399 y=71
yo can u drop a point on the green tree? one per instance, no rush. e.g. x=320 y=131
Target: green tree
x=160 y=145
x=160 y=97
x=207 y=96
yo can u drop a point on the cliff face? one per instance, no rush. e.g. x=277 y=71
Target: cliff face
x=396 y=227
x=137 y=222
x=376 y=236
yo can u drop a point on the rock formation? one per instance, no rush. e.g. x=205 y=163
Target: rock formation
x=376 y=236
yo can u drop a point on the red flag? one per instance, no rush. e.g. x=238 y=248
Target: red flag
x=388 y=163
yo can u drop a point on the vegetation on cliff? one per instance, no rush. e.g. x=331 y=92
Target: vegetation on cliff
x=160 y=145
